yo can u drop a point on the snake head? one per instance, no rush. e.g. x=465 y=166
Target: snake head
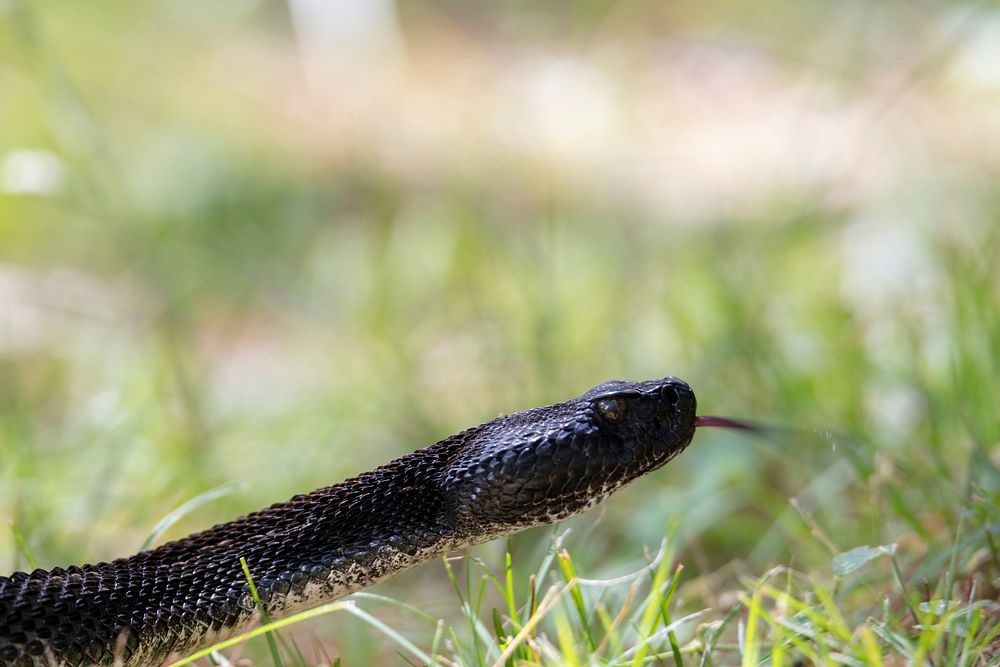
x=549 y=463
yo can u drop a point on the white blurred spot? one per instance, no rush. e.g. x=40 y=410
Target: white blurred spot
x=31 y=171
x=344 y=37
x=894 y=410
x=567 y=104
x=37 y=306
x=883 y=260
x=106 y=410
x=977 y=61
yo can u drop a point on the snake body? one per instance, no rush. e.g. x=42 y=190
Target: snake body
x=511 y=473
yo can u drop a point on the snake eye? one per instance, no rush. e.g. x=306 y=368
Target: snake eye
x=612 y=409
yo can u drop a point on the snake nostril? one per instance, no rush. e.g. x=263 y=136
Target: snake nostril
x=669 y=394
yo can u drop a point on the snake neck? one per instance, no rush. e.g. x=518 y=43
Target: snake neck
x=169 y=601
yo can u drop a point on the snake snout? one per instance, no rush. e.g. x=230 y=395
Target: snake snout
x=678 y=393
x=669 y=404
x=675 y=391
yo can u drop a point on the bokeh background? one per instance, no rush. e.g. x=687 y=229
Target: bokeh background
x=281 y=243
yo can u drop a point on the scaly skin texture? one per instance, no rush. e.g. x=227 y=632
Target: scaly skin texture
x=517 y=471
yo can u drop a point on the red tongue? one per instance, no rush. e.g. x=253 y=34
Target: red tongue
x=722 y=422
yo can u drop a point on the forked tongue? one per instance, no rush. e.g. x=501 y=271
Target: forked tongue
x=833 y=438
x=724 y=422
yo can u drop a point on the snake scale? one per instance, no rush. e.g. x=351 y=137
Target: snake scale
x=511 y=473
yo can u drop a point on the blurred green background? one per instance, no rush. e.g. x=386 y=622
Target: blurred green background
x=282 y=243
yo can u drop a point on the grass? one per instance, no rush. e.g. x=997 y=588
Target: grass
x=783 y=617
x=225 y=302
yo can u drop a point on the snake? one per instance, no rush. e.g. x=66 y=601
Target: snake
x=514 y=472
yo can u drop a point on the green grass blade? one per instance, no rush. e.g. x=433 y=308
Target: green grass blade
x=569 y=575
x=389 y=632
x=751 y=649
x=22 y=546
x=436 y=641
x=340 y=605
x=549 y=600
x=271 y=643
x=416 y=611
x=665 y=614
x=164 y=524
x=508 y=592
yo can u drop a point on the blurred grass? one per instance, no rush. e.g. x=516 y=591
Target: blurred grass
x=250 y=268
